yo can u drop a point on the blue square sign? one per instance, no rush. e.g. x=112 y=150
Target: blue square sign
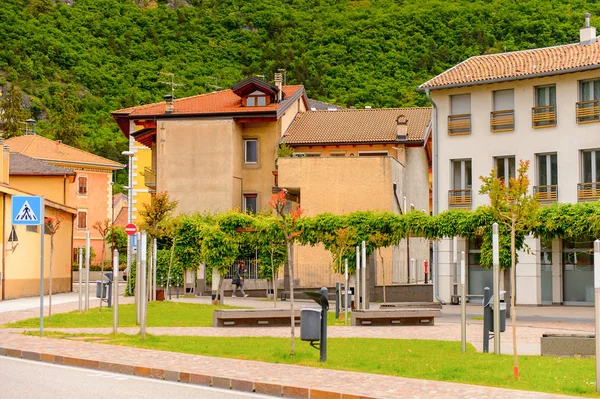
x=27 y=210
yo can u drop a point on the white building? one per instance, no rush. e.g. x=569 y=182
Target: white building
x=540 y=105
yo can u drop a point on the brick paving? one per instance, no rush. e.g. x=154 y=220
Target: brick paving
x=276 y=379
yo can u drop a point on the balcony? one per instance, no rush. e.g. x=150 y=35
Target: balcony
x=150 y=178
x=588 y=111
x=546 y=193
x=588 y=191
x=502 y=121
x=459 y=198
x=459 y=124
x=544 y=116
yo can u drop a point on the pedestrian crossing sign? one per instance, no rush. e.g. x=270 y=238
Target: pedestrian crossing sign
x=27 y=210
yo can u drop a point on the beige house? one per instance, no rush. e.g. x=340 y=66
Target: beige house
x=359 y=160
x=540 y=105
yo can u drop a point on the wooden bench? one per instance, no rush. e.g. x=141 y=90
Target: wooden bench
x=408 y=316
x=408 y=305
x=254 y=317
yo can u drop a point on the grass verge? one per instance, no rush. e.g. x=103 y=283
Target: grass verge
x=423 y=359
x=160 y=314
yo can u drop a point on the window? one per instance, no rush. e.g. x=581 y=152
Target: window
x=307 y=154
x=544 y=112
x=506 y=168
x=547 y=170
x=337 y=154
x=82 y=219
x=82 y=185
x=502 y=119
x=461 y=174
x=256 y=99
x=547 y=177
x=590 y=166
x=589 y=99
x=251 y=151
x=372 y=153
x=459 y=120
x=545 y=96
x=250 y=203
x=460 y=104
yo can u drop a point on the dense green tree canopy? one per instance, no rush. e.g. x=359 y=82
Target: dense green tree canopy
x=352 y=53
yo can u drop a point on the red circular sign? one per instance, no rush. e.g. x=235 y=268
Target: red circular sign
x=130 y=229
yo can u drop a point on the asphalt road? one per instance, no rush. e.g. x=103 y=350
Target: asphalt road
x=30 y=379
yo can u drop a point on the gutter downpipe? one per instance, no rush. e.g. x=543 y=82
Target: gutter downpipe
x=434 y=190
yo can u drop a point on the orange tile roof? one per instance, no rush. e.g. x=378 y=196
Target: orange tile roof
x=121 y=219
x=39 y=147
x=224 y=101
x=519 y=65
x=356 y=126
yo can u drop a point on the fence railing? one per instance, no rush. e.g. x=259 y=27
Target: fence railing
x=544 y=116
x=502 y=121
x=149 y=178
x=546 y=193
x=588 y=111
x=459 y=124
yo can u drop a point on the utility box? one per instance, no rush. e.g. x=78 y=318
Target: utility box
x=104 y=289
x=310 y=324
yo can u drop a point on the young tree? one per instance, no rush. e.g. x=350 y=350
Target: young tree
x=287 y=221
x=517 y=210
x=154 y=217
x=64 y=120
x=102 y=227
x=272 y=252
x=51 y=225
x=379 y=240
x=12 y=114
x=220 y=249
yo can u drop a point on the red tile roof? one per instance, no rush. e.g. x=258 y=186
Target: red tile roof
x=22 y=165
x=219 y=102
x=39 y=147
x=518 y=65
x=356 y=126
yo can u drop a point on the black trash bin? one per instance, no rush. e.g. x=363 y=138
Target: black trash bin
x=310 y=324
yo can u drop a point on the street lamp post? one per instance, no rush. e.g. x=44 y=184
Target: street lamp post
x=129 y=211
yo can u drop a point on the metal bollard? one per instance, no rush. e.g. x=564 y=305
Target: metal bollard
x=487 y=318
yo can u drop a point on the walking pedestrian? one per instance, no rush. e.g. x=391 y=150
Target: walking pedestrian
x=238 y=280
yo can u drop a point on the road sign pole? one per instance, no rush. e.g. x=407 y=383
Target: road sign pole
x=43 y=226
x=115 y=290
x=357 y=282
x=496 y=286
x=597 y=307
x=346 y=293
x=80 y=258
x=364 y=276
x=463 y=305
x=87 y=271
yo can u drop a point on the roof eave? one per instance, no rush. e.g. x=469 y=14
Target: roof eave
x=510 y=78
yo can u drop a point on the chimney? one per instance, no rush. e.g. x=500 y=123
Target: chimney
x=279 y=85
x=170 y=101
x=587 y=34
x=401 y=128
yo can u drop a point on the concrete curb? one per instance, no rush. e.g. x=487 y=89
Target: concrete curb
x=182 y=376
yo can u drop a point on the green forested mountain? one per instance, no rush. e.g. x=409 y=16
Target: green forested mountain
x=107 y=54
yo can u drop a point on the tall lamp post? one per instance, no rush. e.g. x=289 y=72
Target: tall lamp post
x=129 y=210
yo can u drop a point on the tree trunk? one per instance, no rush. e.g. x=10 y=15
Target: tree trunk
x=508 y=289
x=293 y=321
x=512 y=298
x=169 y=270
x=220 y=291
x=50 y=282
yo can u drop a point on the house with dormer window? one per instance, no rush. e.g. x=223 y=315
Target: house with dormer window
x=541 y=105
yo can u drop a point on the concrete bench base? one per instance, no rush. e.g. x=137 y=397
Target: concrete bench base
x=568 y=345
x=254 y=317
x=411 y=305
x=395 y=317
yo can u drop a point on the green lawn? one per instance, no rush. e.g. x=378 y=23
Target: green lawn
x=434 y=360
x=160 y=314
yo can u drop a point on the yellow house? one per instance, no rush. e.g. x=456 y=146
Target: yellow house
x=22 y=175
x=92 y=193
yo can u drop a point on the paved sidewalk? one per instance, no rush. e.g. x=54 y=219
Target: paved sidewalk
x=279 y=379
x=275 y=379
